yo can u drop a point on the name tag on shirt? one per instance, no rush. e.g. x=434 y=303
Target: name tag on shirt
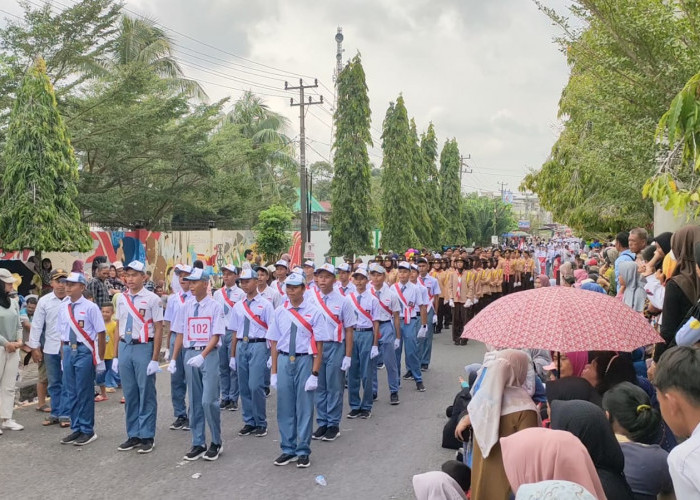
x=199 y=329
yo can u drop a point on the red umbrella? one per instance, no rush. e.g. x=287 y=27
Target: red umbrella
x=561 y=319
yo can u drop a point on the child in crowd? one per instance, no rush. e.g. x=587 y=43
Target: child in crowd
x=108 y=380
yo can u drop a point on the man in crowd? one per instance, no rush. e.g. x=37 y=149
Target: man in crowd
x=98 y=284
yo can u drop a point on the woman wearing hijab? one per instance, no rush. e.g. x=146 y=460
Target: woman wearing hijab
x=580 y=275
x=568 y=364
x=593 y=287
x=572 y=388
x=663 y=242
x=682 y=289
x=561 y=490
x=565 y=271
x=437 y=485
x=537 y=454
x=500 y=406
x=587 y=422
x=542 y=281
x=633 y=293
x=607 y=272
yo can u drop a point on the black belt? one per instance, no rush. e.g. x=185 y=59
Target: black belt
x=67 y=342
x=198 y=348
x=135 y=341
x=385 y=321
x=364 y=329
x=252 y=341
x=297 y=354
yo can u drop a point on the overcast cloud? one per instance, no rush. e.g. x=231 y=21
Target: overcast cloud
x=483 y=71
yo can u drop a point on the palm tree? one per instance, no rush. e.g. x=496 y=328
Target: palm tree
x=142 y=41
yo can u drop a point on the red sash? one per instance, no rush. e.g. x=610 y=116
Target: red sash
x=459 y=287
x=430 y=294
x=340 y=289
x=359 y=308
x=85 y=337
x=144 y=324
x=336 y=320
x=254 y=316
x=407 y=308
x=381 y=303
x=307 y=325
x=279 y=288
x=227 y=299
x=182 y=297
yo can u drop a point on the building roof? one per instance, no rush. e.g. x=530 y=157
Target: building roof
x=314 y=206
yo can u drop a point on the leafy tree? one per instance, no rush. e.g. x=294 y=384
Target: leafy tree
x=627 y=63
x=37 y=210
x=350 y=189
x=485 y=216
x=322 y=177
x=397 y=227
x=450 y=193
x=272 y=238
x=431 y=187
x=418 y=205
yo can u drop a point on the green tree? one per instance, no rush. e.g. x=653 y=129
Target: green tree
x=397 y=227
x=322 y=177
x=485 y=216
x=450 y=194
x=628 y=61
x=351 y=200
x=418 y=205
x=272 y=238
x=431 y=186
x=37 y=210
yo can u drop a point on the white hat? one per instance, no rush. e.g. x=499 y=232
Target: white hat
x=344 y=267
x=6 y=276
x=310 y=263
x=231 y=268
x=377 y=268
x=198 y=274
x=329 y=268
x=118 y=265
x=360 y=271
x=183 y=268
x=294 y=279
x=247 y=274
x=282 y=263
x=404 y=265
x=414 y=267
x=73 y=278
x=136 y=265
x=298 y=270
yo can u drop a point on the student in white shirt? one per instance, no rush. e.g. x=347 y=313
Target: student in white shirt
x=677 y=380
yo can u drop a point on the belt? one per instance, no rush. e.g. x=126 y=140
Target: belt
x=293 y=355
x=251 y=340
x=385 y=321
x=198 y=348
x=67 y=342
x=135 y=341
x=364 y=329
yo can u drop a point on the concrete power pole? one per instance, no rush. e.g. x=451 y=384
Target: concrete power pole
x=338 y=68
x=304 y=198
x=463 y=169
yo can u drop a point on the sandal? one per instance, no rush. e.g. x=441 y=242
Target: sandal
x=64 y=424
x=43 y=408
x=50 y=421
x=99 y=398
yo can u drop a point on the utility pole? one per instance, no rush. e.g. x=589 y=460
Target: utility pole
x=503 y=185
x=304 y=198
x=462 y=170
x=495 y=208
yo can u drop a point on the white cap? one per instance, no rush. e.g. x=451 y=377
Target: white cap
x=198 y=274
x=136 y=265
x=76 y=278
x=404 y=265
x=183 y=268
x=360 y=271
x=344 y=267
x=294 y=279
x=414 y=267
x=6 y=276
x=230 y=268
x=247 y=274
x=310 y=263
x=118 y=265
x=329 y=268
x=298 y=270
x=377 y=268
x=282 y=263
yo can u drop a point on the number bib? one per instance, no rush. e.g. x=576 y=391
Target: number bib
x=199 y=329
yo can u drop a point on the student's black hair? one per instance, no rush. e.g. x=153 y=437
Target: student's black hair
x=107 y=304
x=31 y=300
x=623 y=238
x=679 y=368
x=198 y=263
x=88 y=294
x=630 y=406
x=612 y=368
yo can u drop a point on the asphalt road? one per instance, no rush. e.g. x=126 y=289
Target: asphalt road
x=372 y=459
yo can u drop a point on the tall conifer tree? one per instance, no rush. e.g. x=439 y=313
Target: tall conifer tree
x=429 y=155
x=451 y=193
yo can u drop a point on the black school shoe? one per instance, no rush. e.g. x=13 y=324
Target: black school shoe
x=365 y=413
x=195 y=453
x=420 y=387
x=180 y=423
x=303 y=461
x=147 y=446
x=213 y=452
x=320 y=432
x=85 y=439
x=354 y=413
x=247 y=430
x=407 y=376
x=284 y=459
x=233 y=406
x=71 y=438
x=331 y=434
x=129 y=444
x=394 y=398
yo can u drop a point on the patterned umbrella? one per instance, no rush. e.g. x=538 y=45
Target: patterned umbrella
x=561 y=319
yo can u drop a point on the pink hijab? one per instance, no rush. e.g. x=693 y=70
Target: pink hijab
x=579 y=276
x=578 y=359
x=538 y=454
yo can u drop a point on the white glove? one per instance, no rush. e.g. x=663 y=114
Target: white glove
x=273 y=380
x=345 y=365
x=532 y=278
x=468 y=303
x=422 y=331
x=476 y=301
x=434 y=319
x=101 y=368
x=152 y=367
x=232 y=364
x=452 y=303
x=172 y=368
x=374 y=352
x=197 y=361
x=311 y=383
x=269 y=362
x=115 y=365
x=166 y=355
x=397 y=343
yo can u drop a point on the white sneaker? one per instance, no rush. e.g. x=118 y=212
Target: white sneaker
x=0 y=433
x=12 y=425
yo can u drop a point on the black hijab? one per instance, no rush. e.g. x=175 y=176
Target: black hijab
x=664 y=241
x=572 y=388
x=587 y=422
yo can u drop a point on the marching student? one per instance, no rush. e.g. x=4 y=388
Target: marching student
x=178 y=384
x=228 y=296
x=336 y=330
x=83 y=336
x=425 y=345
x=281 y=272
x=458 y=297
x=411 y=301
x=389 y=330
x=296 y=333
x=199 y=327
x=140 y=327
x=343 y=283
x=309 y=269
x=249 y=324
x=365 y=347
x=262 y=275
x=48 y=348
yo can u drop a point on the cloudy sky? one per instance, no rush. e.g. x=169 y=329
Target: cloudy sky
x=483 y=71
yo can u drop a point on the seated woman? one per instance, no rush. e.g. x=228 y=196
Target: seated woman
x=587 y=422
x=637 y=427
x=499 y=407
x=571 y=388
x=568 y=364
x=537 y=454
